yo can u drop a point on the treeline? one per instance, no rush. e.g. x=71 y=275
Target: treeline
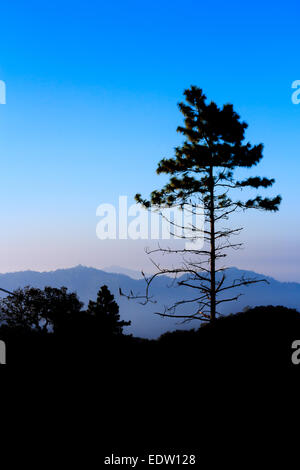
x=51 y=326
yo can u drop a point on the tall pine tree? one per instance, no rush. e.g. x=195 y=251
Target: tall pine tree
x=204 y=173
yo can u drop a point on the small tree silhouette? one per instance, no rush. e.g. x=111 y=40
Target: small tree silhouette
x=106 y=313
x=33 y=309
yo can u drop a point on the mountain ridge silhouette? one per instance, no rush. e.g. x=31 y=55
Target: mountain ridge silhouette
x=86 y=281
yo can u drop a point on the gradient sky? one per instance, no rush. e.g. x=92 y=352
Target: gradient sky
x=92 y=93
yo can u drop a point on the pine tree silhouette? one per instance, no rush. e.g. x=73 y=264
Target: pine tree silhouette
x=202 y=177
x=106 y=313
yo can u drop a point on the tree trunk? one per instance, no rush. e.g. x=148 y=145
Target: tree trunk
x=212 y=249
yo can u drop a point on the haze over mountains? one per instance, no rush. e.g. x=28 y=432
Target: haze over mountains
x=128 y=272
x=87 y=281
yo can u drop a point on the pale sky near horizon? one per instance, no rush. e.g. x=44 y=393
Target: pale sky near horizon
x=92 y=92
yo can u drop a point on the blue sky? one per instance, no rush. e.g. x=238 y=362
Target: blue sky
x=92 y=93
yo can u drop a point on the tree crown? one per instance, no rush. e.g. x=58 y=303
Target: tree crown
x=213 y=148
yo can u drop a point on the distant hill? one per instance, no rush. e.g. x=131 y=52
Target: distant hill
x=128 y=272
x=87 y=281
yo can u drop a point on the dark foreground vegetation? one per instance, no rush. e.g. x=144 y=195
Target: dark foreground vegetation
x=129 y=396
x=50 y=328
